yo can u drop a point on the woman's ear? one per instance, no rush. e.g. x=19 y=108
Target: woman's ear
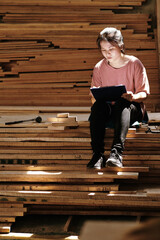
x=122 y=48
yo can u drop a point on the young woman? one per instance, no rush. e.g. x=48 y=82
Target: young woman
x=114 y=69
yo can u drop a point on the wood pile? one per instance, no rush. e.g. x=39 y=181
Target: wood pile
x=43 y=170
x=48 y=49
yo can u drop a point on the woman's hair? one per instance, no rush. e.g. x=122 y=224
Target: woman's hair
x=113 y=36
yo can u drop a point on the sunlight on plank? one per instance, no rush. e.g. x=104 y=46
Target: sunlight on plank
x=91 y=194
x=23 y=235
x=72 y=238
x=43 y=192
x=43 y=173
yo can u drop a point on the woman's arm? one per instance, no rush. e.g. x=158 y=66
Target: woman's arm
x=138 y=97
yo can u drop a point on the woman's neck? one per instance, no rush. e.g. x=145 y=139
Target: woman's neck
x=119 y=62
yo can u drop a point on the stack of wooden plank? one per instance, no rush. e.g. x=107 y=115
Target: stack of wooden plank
x=128 y=4
x=8 y=212
x=48 y=49
x=43 y=170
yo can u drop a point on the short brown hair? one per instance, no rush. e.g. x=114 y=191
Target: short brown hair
x=113 y=36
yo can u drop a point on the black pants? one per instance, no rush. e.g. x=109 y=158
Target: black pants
x=122 y=114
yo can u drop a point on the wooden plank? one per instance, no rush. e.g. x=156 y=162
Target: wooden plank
x=158 y=28
x=59 y=187
x=72 y=3
x=75 y=144
x=66 y=168
x=10 y=210
x=119 y=195
x=51 y=9
x=4 y=229
x=106 y=17
x=11 y=205
x=15 y=213
x=5 y=224
x=75 y=42
x=56 y=176
x=140 y=202
x=95 y=212
x=48 y=26
x=7 y=219
x=17 y=236
x=153 y=192
x=49 y=109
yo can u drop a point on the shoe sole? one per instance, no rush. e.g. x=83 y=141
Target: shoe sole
x=111 y=164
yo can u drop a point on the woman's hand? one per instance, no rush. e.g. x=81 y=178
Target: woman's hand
x=138 y=97
x=91 y=95
x=93 y=100
x=128 y=96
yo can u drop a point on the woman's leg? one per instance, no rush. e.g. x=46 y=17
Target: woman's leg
x=100 y=114
x=125 y=114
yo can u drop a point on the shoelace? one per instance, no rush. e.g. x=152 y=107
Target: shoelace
x=115 y=155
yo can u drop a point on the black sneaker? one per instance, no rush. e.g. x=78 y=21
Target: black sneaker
x=115 y=159
x=98 y=161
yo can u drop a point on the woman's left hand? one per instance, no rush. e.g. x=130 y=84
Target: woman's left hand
x=128 y=96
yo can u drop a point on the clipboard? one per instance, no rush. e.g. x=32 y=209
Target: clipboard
x=111 y=93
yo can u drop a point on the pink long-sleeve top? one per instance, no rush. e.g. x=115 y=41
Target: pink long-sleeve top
x=133 y=75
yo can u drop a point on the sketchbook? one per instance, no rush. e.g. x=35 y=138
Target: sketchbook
x=111 y=93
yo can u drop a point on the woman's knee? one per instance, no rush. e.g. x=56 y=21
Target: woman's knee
x=121 y=103
x=100 y=109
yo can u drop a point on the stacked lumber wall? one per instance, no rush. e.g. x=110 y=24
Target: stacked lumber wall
x=48 y=49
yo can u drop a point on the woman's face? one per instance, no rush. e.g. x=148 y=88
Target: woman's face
x=109 y=51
